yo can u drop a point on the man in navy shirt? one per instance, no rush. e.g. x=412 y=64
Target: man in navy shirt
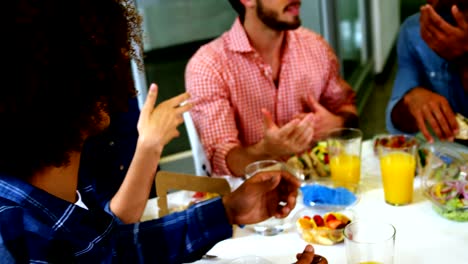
x=69 y=87
x=431 y=83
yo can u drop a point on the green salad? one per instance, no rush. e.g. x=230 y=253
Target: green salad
x=451 y=199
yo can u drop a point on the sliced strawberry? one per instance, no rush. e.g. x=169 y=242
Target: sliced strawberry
x=330 y=217
x=318 y=220
x=334 y=223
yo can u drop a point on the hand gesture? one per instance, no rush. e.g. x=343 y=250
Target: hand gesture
x=324 y=119
x=158 y=125
x=294 y=137
x=259 y=197
x=449 y=42
x=427 y=106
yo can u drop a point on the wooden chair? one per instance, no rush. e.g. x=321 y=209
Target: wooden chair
x=166 y=181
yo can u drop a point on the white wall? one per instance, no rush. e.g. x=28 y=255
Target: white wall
x=385 y=24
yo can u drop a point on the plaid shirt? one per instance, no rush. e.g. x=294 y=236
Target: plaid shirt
x=230 y=83
x=37 y=227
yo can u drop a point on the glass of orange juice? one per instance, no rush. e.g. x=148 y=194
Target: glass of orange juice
x=398 y=168
x=344 y=150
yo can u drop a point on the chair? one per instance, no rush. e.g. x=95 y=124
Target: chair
x=167 y=181
x=201 y=163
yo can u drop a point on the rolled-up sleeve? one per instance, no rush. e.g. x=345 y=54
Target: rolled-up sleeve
x=212 y=113
x=408 y=74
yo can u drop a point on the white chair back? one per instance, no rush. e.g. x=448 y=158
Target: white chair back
x=201 y=163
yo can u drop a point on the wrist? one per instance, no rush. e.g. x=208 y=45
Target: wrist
x=227 y=208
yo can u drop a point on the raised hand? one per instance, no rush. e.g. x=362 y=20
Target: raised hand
x=448 y=41
x=158 y=125
x=294 y=137
x=427 y=106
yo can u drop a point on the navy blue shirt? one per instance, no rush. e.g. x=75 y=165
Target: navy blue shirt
x=36 y=227
x=420 y=66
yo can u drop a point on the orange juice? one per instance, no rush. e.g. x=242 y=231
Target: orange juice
x=398 y=169
x=345 y=168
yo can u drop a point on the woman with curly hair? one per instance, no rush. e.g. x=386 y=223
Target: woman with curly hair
x=71 y=72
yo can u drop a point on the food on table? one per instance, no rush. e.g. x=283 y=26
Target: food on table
x=324 y=230
x=451 y=199
x=313 y=163
x=462 y=126
x=393 y=141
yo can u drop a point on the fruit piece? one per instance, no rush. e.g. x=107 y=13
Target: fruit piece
x=318 y=220
x=305 y=224
x=307 y=217
x=334 y=223
x=329 y=217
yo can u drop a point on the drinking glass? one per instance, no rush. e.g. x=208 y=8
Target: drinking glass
x=398 y=168
x=271 y=226
x=344 y=150
x=369 y=242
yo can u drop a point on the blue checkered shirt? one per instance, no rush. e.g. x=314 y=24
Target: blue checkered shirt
x=36 y=227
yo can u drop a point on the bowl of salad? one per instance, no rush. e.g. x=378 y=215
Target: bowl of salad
x=444 y=173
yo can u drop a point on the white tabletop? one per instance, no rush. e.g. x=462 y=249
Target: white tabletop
x=422 y=235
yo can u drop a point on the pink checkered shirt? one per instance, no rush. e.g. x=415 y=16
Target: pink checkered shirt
x=230 y=84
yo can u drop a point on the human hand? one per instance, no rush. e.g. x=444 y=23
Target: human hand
x=449 y=42
x=309 y=257
x=158 y=125
x=427 y=106
x=324 y=120
x=294 y=137
x=259 y=197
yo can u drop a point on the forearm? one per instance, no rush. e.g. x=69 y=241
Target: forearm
x=239 y=157
x=130 y=200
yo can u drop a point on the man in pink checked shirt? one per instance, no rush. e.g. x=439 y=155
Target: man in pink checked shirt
x=266 y=89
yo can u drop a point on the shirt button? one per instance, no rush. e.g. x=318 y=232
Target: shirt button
x=122 y=167
x=111 y=143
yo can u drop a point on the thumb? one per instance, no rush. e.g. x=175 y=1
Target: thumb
x=268 y=119
x=312 y=103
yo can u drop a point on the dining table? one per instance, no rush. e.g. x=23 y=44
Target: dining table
x=422 y=235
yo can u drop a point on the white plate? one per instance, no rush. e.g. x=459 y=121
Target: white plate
x=250 y=260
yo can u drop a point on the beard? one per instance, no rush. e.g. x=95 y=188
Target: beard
x=270 y=19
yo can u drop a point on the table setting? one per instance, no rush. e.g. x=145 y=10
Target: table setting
x=392 y=219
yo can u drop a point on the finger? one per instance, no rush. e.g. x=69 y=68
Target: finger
x=304 y=128
x=184 y=108
x=459 y=18
x=436 y=22
x=179 y=100
x=306 y=256
x=450 y=115
x=312 y=103
x=150 y=100
x=289 y=128
x=445 y=129
x=430 y=119
x=268 y=119
x=422 y=127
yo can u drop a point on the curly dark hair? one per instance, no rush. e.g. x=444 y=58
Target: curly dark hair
x=68 y=61
x=239 y=7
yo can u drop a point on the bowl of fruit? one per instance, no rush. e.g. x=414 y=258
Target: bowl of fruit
x=317 y=227
x=393 y=141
